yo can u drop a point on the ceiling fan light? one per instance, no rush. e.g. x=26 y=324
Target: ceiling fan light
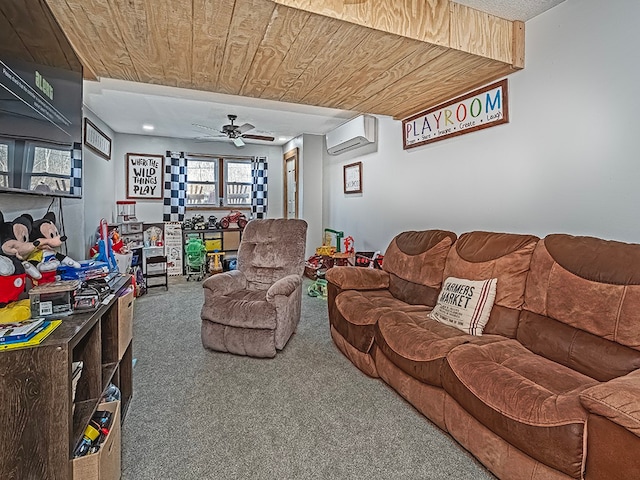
x=238 y=142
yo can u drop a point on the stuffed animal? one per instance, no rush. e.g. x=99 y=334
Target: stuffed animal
x=15 y=247
x=46 y=238
x=14 y=250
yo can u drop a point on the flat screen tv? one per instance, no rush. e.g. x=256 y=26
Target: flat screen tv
x=40 y=108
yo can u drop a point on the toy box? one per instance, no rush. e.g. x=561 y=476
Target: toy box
x=213 y=244
x=54 y=298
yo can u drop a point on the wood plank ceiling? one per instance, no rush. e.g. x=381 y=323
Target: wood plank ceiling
x=389 y=57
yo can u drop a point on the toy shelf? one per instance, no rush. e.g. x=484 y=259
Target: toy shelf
x=227 y=239
x=41 y=422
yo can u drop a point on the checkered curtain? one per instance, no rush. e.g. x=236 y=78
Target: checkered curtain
x=259 y=187
x=175 y=186
x=76 y=170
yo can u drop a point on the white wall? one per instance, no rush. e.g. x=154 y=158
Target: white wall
x=99 y=185
x=566 y=162
x=311 y=189
x=151 y=210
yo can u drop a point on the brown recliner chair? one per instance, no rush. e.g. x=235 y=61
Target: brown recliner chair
x=255 y=309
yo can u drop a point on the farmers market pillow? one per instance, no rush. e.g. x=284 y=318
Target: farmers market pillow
x=465 y=304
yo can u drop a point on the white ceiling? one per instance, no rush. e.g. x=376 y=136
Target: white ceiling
x=522 y=10
x=126 y=106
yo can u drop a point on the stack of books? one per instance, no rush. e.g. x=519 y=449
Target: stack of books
x=27 y=333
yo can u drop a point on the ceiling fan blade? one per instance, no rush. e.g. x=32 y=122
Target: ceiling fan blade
x=259 y=137
x=244 y=128
x=238 y=142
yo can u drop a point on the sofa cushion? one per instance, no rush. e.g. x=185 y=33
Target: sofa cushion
x=415 y=261
x=579 y=350
x=358 y=312
x=505 y=256
x=418 y=344
x=262 y=255
x=528 y=400
x=465 y=304
x=243 y=308
x=573 y=284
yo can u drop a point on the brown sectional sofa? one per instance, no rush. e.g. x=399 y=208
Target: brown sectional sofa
x=551 y=389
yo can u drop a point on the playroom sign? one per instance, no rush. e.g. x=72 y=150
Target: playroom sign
x=145 y=174
x=482 y=108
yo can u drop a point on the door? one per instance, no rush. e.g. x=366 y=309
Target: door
x=291 y=183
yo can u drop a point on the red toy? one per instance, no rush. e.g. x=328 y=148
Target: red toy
x=348 y=244
x=234 y=217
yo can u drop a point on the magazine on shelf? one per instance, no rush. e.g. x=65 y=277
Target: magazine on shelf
x=34 y=338
x=18 y=330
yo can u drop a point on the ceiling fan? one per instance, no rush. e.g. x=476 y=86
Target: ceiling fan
x=236 y=132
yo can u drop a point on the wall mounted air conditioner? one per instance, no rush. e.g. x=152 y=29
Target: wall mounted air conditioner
x=355 y=133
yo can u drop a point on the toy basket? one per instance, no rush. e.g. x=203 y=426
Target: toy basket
x=316 y=266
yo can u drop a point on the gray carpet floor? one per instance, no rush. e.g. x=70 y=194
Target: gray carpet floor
x=306 y=414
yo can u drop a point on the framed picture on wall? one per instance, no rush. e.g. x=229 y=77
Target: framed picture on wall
x=96 y=140
x=353 y=178
x=145 y=176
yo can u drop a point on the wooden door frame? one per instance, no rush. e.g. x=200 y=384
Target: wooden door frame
x=291 y=154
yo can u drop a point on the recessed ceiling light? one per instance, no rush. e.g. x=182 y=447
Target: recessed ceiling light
x=282 y=139
x=148 y=127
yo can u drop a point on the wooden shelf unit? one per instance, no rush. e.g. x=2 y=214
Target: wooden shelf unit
x=40 y=426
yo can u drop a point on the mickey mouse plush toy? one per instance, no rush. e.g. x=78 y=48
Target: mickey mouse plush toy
x=15 y=247
x=45 y=237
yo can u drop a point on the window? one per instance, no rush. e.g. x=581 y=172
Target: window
x=218 y=181
x=238 y=182
x=35 y=166
x=202 y=180
x=51 y=171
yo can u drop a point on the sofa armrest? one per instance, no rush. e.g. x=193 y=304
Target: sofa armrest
x=618 y=400
x=225 y=283
x=357 y=278
x=285 y=286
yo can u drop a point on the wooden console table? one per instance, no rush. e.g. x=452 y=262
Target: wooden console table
x=39 y=427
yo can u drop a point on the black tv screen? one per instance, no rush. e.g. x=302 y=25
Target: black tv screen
x=40 y=114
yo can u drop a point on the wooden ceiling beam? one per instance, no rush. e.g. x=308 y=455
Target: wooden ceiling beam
x=424 y=20
x=438 y=22
x=447 y=76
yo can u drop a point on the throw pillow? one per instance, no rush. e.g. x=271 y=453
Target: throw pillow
x=465 y=304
